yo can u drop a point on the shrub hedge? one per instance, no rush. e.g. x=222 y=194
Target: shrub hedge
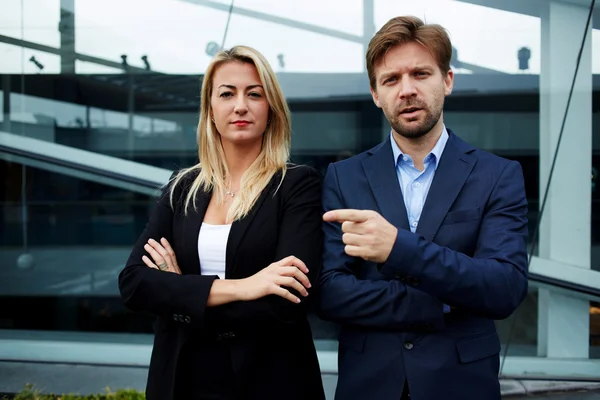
x=30 y=393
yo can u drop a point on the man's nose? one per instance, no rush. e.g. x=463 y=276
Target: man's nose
x=407 y=88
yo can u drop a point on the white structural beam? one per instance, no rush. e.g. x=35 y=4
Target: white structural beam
x=563 y=322
x=570 y=274
x=138 y=355
x=82 y=164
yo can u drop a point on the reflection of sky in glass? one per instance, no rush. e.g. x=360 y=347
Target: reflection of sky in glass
x=40 y=21
x=174 y=33
x=302 y=51
x=344 y=16
x=24 y=108
x=35 y=110
x=15 y=59
x=84 y=67
x=485 y=37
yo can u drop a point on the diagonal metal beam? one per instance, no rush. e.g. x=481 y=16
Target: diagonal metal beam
x=82 y=57
x=82 y=164
x=29 y=45
x=113 y=64
x=279 y=20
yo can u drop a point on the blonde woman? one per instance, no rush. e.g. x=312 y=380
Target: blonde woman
x=227 y=260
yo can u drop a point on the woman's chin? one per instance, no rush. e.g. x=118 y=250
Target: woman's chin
x=242 y=139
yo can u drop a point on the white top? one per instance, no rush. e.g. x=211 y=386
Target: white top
x=212 y=246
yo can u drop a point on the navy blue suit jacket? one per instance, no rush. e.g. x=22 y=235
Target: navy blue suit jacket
x=469 y=251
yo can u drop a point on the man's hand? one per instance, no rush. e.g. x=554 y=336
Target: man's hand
x=366 y=233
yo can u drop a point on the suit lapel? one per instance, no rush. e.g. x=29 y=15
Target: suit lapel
x=452 y=172
x=380 y=170
x=239 y=227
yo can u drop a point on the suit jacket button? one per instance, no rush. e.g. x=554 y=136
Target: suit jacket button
x=188 y=319
x=408 y=345
x=175 y=317
x=225 y=335
x=401 y=277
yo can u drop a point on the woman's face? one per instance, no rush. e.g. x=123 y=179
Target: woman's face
x=240 y=110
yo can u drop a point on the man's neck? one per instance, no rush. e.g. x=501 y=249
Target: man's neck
x=418 y=148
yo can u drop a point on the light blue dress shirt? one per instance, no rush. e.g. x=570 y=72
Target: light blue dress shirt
x=415 y=184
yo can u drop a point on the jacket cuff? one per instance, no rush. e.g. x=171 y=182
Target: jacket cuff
x=402 y=263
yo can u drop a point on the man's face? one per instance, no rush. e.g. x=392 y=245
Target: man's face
x=410 y=89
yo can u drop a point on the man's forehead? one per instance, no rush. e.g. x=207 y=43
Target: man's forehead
x=406 y=56
x=403 y=66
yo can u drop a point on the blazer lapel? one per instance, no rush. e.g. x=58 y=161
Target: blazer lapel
x=239 y=227
x=452 y=172
x=191 y=230
x=380 y=169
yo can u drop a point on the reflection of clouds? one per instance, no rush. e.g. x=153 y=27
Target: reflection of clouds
x=14 y=60
x=330 y=14
x=87 y=283
x=40 y=20
x=175 y=46
x=487 y=37
x=48 y=112
x=65 y=271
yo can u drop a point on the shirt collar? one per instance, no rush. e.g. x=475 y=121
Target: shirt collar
x=437 y=150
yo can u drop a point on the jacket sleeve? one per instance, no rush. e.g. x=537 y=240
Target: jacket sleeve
x=493 y=282
x=299 y=236
x=182 y=297
x=346 y=299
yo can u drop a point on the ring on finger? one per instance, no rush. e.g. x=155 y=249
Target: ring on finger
x=163 y=266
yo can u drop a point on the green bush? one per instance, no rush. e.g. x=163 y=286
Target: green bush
x=29 y=393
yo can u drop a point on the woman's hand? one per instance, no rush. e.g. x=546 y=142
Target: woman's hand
x=163 y=256
x=277 y=278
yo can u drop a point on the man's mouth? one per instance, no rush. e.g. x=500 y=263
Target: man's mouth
x=409 y=110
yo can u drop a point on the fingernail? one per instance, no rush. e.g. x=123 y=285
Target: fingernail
x=297 y=300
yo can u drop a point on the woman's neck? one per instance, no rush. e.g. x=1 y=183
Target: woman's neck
x=239 y=159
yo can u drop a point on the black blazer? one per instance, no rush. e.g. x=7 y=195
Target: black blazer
x=261 y=349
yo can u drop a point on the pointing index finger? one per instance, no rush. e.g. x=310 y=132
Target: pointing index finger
x=343 y=215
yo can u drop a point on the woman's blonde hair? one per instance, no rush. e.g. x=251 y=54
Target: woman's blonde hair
x=275 y=151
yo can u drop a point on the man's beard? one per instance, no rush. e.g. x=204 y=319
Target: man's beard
x=411 y=130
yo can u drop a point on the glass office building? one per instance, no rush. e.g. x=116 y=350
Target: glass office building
x=100 y=103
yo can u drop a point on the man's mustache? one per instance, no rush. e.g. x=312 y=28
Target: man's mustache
x=410 y=104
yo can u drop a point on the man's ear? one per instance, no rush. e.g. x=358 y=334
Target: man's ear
x=449 y=83
x=375 y=97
